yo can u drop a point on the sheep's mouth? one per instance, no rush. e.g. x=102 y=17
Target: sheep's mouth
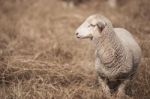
x=91 y=38
x=78 y=36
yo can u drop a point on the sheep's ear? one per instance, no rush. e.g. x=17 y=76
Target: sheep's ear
x=101 y=25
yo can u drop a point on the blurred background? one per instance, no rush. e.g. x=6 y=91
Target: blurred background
x=40 y=57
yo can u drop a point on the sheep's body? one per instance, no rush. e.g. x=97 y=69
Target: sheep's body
x=117 y=53
x=129 y=56
x=129 y=42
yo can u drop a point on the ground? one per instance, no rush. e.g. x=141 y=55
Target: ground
x=40 y=57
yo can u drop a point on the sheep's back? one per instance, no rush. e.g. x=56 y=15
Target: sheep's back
x=129 y=42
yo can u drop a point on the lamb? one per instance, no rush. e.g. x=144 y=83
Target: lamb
x=117 y=53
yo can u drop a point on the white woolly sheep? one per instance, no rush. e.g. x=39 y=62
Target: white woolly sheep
x=117 y=53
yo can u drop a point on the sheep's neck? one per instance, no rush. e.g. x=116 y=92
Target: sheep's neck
x=109 y=49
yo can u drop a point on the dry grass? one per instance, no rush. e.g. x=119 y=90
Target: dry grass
x=40 y=58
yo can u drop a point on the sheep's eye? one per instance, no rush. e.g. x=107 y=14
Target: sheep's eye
x=91 y=25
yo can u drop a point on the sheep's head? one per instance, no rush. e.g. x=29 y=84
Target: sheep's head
x=91 y=27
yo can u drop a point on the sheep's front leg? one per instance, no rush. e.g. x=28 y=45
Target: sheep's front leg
x=105 y=87
x=102 y=82
x=121 y=90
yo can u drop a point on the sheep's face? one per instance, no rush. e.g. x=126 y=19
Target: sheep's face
x=91 y=27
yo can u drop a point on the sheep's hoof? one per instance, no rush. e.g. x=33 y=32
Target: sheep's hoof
x=122 y=96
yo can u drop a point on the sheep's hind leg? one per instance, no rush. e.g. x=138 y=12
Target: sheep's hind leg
x=121 y=90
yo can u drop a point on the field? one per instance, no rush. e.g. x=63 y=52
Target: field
x=40 y=57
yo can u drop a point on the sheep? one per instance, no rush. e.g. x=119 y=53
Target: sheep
x=117 y=53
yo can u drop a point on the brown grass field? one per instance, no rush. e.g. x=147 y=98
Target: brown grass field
x=40 y=57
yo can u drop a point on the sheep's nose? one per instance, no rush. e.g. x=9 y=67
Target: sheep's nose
x=77 y=33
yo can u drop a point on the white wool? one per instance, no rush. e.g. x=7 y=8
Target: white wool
x=117 y=53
